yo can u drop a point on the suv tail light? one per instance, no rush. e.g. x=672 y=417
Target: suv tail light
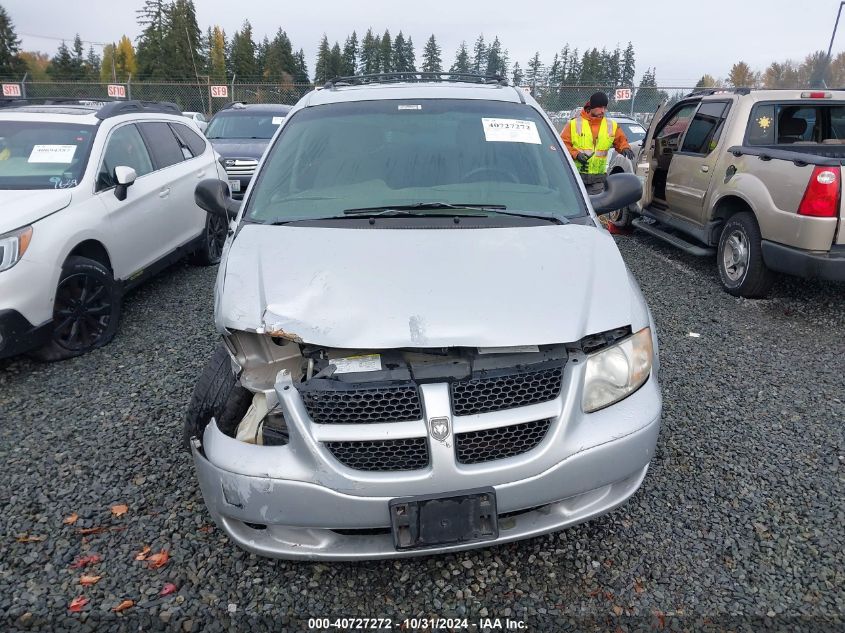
x=821 y=199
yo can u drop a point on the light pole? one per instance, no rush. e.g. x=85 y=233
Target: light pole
x=832 y=35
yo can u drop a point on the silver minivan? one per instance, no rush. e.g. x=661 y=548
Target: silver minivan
x=430 y=343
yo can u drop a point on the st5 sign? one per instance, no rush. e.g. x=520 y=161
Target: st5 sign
x=220 y=91
x=623 y=94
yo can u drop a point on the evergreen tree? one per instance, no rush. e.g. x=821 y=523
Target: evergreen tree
x=479 y=56
x=494 y=64
x=335 y=62
x=151 y=52
x=517 y=78
x=563 y=71
x=400 y=63
x=573 y=74
x=410 y=55
x=462 y=64
x=92 y=65
x=350 y=55
x=431 y=56
x=615 y=74
x=301 y=75
x=554 y=75
x=629 y=67
x=279 y=61
x=369 y=54
x=217 y=55
x=61 y=66
x=385 y=52
x=11 y=63
x=243 y=53
x=78 y=58
x=322 y=68
x=182 y=40
x=534 y=73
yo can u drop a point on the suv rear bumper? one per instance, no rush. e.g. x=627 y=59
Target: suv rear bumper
x=588 y=465
x=828 y=265
x=17 y=335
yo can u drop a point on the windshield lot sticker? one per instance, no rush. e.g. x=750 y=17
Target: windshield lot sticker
x=410 y=107
x=277 y=120
x=510 y=131
x=63 y=183
x=52 y=154
x=351 y=364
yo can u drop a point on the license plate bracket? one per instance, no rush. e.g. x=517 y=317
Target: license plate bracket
x=434 y=520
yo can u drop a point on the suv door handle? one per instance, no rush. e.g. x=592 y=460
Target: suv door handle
x=705 y=168
x=164 y=192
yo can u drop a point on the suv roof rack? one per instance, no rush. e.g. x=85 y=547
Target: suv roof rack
x=234 y=105
x=402 y=77
x=18 y=102
x=116 y=108
x=714 y=91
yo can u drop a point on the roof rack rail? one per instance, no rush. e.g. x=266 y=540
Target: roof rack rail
x=713 y=91
x=14 y=102
x=234 y=104
x=116 y=108
x=413 y=76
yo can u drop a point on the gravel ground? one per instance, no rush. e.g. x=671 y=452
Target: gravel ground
x=740 y=523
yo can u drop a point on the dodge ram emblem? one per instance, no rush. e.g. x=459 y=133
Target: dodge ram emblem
x=439 y=428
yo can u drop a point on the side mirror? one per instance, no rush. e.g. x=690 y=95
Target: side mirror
x=621 y=191
x=213 y=196
x=124 y=177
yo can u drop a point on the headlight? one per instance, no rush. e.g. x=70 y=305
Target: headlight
x=12 y=247
x=616 y=372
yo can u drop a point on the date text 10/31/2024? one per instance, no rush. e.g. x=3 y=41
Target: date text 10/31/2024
x=416 y=624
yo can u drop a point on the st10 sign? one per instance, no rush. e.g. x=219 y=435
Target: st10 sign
x=623 y=94
x=11 y=90
x=117 y=91
x=220 y=91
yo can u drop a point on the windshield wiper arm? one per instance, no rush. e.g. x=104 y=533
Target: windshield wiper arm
x=537 y=216
x=421 y=206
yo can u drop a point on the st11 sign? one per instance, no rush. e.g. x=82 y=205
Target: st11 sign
x=117 y=91
x=623 y=94
x=220 y=91
x=11 y=90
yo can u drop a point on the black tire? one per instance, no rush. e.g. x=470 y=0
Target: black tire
x=739 y=259
x=86 y=310
x=213 y=238
x=622 y=218
x=217 y=395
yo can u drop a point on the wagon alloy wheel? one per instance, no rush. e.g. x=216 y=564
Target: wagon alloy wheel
x=215 y=235
x=82 y=312
x=735 y=255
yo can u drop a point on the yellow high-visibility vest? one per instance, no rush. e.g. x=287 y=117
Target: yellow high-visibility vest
x=582 y=140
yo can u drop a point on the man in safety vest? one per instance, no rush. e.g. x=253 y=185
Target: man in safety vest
x=589 y=137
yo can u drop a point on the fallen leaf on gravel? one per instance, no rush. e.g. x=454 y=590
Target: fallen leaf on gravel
x=87 y=581
x=85 y=561
x=158 y=560
x=638 y=586
x=77 y=603
x=142 y=555
x=167 y=589
x=123 y=606
x=661 y=619
x=617 y=610
x=30 y=538
x=119 y=509
x=205 y=528
x=70 y=520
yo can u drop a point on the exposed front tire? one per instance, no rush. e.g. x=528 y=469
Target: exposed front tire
x=86 y=310
x=739 y=259
x=213 y=239
x=217 y=395
x=622 y=218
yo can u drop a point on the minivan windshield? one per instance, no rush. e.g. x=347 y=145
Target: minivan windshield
x=383 y=154
x=39 y=155
x=238 y=125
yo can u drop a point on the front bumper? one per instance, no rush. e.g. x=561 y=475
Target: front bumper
x=296 y=502
x=828 y=265
x=17 y=335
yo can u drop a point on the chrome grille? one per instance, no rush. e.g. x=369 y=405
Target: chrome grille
x=514 y=389
x=240 y=167
x=382 y=455
x=486 y=445
x=396 y=403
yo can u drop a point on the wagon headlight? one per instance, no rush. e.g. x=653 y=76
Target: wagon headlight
x=12 y=247
x=618 y=371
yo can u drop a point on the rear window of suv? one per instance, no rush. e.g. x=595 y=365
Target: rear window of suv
x=796 y=123
x=42 y=155
x=381 y=153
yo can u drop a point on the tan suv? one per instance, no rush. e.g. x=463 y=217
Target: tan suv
x=752 y=176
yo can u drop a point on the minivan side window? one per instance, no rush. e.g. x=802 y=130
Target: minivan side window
x=125 y=148
x=163 y=144
x=672 y=129
x=703 y=133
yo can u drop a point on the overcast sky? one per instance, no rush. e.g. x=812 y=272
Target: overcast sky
x=683 y=40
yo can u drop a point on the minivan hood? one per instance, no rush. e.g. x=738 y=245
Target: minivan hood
x=19 y=207
x=389 y=288
x=240 y=148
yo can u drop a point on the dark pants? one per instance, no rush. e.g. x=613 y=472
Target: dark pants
x=594 y=183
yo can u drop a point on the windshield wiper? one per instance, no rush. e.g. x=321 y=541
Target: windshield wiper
x=421 y=206
x=537 y=216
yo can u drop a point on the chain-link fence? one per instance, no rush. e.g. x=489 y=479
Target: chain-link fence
x=558 y=101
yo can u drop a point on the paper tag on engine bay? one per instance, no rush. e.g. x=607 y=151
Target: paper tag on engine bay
x=352 y=364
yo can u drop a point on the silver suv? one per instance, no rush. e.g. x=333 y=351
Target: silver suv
x=430 y=342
